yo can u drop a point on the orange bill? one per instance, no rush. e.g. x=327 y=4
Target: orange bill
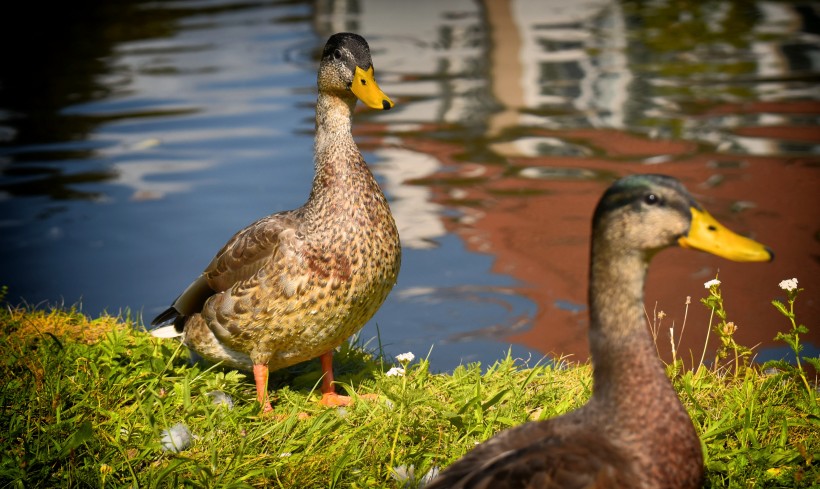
x=707 y=234
x=365 y=87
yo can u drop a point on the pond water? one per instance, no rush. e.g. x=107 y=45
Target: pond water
x=137 y=137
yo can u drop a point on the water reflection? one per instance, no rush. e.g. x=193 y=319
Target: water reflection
x=184 y=121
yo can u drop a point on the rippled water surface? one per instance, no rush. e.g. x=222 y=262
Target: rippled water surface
x=137 y=137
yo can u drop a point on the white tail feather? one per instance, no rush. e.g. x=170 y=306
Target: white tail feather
x=166 y=332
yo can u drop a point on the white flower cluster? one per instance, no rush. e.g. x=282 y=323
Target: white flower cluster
x=395 y=372
x=711 y=283
x=789 y=285
x=405 y=358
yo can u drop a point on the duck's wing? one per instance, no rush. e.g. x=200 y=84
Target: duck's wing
x=529 y=457
x=252 y=248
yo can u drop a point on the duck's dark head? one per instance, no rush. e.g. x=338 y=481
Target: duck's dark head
x=652 y=212
x=346 y=66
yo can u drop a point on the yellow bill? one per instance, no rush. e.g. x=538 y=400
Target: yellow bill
x=365 y=87
x=707 y=234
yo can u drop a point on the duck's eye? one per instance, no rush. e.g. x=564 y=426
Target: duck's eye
x=652 y=199
x=337 y=54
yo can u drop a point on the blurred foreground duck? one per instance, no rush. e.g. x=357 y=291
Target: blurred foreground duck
x=294 y=285
x=634 y=432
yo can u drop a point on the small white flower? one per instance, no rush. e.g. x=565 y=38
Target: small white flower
x=285 y=454
x=711 y=283
x=395 y=372
x=789 y=284
x=405 y=357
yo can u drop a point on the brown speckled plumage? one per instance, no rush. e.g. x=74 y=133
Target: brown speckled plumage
x=634 y=432
x=294 y=285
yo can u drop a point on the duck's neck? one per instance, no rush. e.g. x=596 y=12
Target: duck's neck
x=624 y=357
x=343 y=184
x=333 y=129
x=339 y=165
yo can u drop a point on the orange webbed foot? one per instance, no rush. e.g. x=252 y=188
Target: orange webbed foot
x=331 y=399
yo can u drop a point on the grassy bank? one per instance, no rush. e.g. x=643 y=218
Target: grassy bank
x=85 y=403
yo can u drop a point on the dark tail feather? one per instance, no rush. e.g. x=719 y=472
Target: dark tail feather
x=166 y=316
x=188 y=303
x=169 y=324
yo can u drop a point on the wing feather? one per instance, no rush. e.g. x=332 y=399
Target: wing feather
x=239 y=261
x=249 y=250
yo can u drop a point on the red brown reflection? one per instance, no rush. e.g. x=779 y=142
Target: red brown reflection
x=539 y=230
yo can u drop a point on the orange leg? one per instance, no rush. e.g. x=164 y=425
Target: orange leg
x=260 y=376
x=329 y=396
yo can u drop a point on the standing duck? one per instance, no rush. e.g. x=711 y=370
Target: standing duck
x=634 y=432
x=294 y=285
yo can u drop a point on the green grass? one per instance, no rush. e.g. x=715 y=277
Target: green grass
x=85 y=402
